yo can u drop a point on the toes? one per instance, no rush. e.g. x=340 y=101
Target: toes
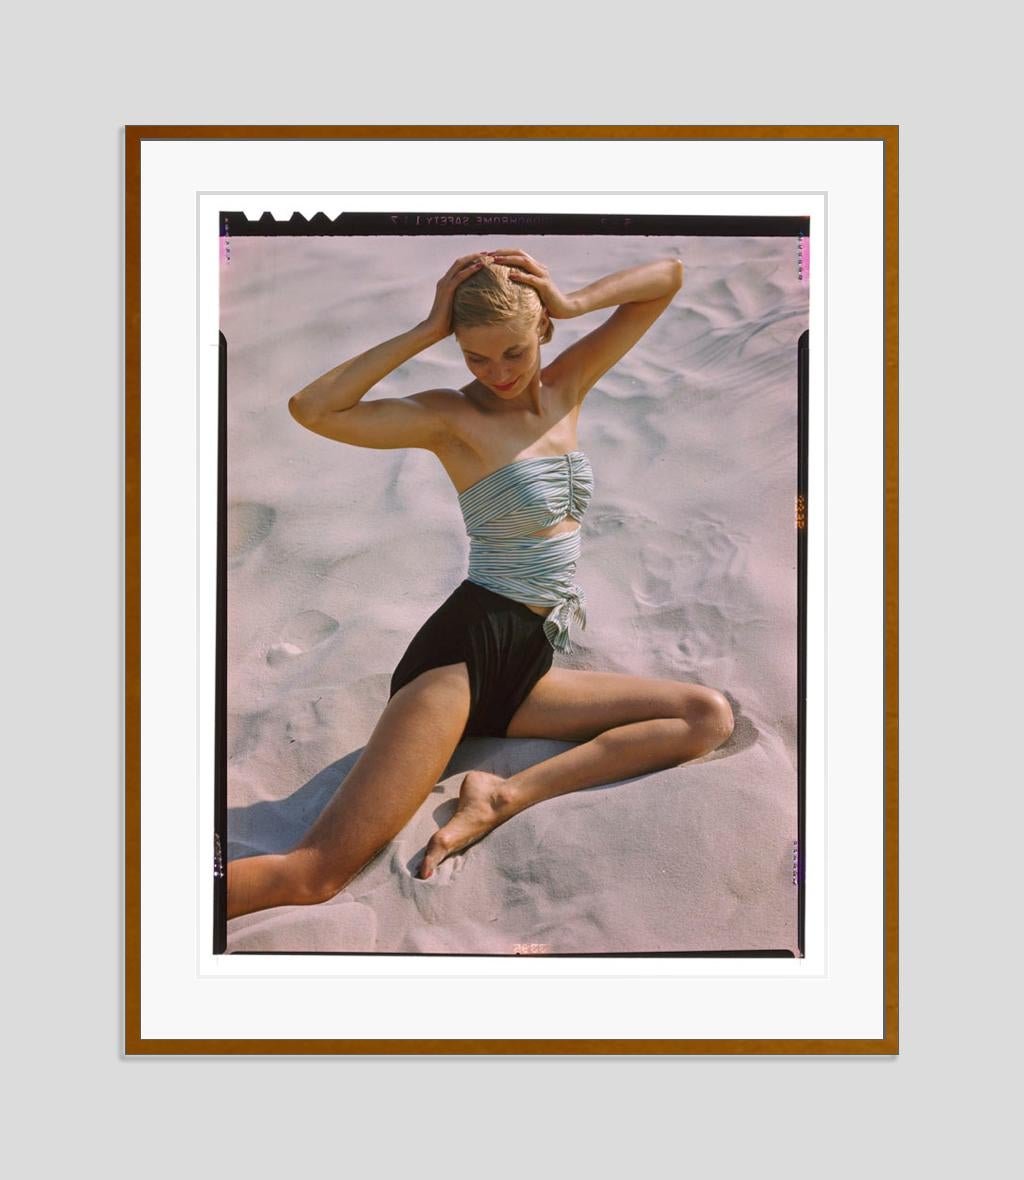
x=437 y=850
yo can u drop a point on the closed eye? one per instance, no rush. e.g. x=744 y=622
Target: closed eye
x=512 y=356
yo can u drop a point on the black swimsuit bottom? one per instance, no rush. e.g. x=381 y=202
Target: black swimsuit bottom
x=502 y=642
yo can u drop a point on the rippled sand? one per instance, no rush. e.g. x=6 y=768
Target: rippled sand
x=337 y=555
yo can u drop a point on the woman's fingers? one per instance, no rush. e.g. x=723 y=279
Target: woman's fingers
x=521 y=264
x=465 y=260
x=520 y=259
x=462 y=268
x=462 y=275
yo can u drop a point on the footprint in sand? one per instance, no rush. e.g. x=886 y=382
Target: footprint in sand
x=654 y=584
x=249 y=525
x=307 y=630
x=307 y=722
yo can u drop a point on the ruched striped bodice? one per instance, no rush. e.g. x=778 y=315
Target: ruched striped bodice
x=523 y=497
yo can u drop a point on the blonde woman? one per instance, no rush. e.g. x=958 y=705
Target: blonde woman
x=482 y=664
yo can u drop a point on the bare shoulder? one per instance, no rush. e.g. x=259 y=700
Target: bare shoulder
x=481 y=436
x=451 y=411
x=442 y=401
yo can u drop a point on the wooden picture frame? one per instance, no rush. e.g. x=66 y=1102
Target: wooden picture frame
x=159 y=1018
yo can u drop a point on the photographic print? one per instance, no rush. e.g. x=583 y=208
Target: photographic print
x=512 y=599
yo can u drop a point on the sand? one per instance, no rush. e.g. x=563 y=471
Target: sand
x=337 y=554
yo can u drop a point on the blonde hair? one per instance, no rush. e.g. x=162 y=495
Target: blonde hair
x=491 y=297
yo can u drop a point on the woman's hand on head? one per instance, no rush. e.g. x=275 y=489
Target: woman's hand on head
x=439 y=321
x=531 y=273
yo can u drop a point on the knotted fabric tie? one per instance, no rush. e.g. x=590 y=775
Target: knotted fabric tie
x=573 y=607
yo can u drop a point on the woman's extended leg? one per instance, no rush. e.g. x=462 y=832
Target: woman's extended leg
x=628 y=725
x=410 y=746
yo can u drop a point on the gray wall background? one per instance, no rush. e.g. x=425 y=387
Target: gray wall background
x=73 y=80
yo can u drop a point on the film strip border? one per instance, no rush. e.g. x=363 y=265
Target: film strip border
x=237 y=224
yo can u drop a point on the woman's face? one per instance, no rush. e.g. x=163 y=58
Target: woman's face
x=501 y=356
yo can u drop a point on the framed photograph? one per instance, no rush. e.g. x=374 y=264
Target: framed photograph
x=510 y=590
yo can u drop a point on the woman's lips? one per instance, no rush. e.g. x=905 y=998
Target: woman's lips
x=508 y=386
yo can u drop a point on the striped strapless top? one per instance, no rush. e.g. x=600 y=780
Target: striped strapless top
x=526 y=496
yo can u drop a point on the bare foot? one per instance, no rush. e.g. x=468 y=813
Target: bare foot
x=483 y=805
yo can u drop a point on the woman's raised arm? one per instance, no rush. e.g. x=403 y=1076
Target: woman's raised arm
x=330 y=405
x=343 y=386
x=640 y=294
x=638 y=284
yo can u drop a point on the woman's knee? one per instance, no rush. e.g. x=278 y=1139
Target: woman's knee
x=719 y=718
x=708 y=710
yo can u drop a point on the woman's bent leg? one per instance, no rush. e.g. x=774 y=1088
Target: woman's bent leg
x=410 y=746
x=635 y=725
